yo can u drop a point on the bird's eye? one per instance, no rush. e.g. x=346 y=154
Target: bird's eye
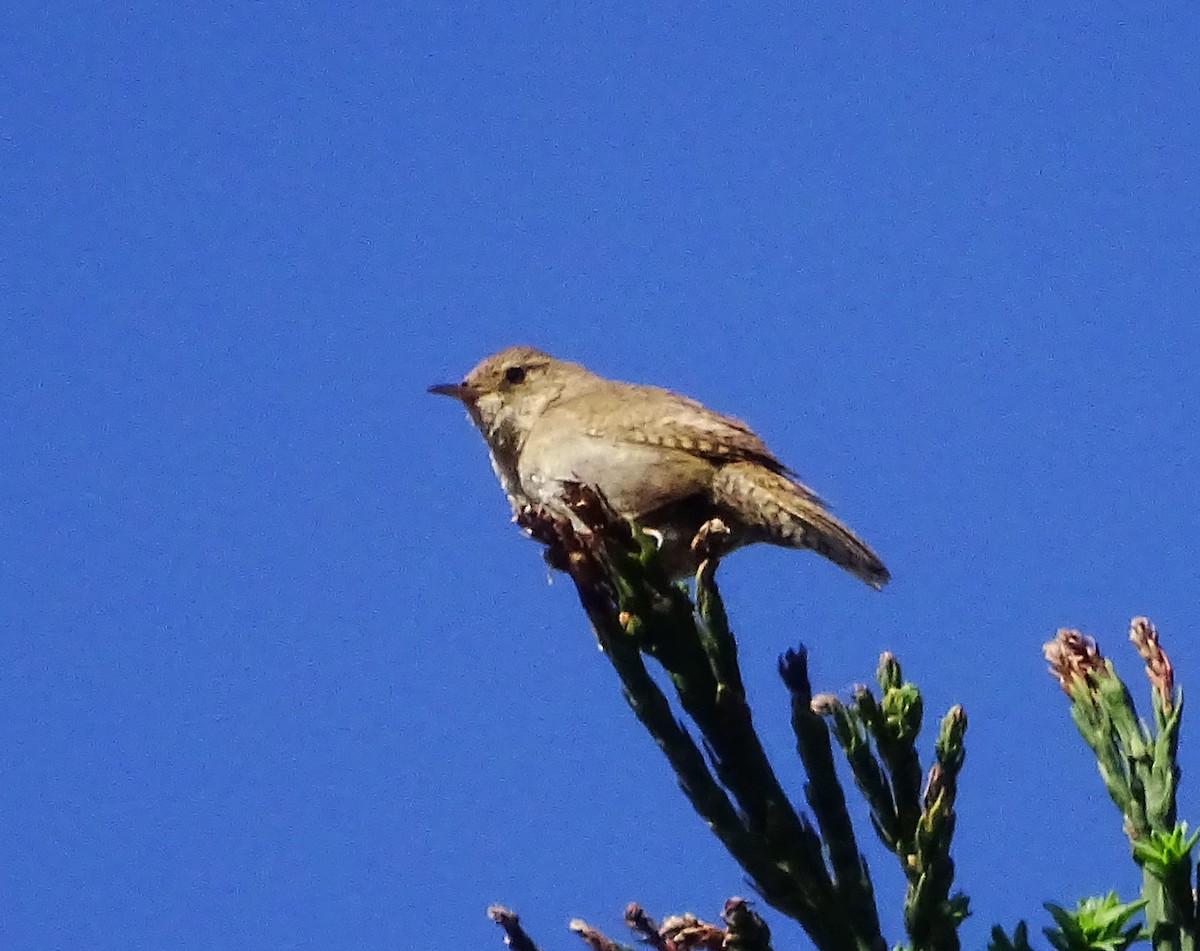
x=515 y=374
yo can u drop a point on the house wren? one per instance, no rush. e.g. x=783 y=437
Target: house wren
x=662 y=460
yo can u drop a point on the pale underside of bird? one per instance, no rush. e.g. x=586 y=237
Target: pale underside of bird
x=662 y=460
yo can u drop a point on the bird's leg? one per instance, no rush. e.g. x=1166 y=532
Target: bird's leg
x=712 y=540
x=654 y=533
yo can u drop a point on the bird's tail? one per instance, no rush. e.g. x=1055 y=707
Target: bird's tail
x=783 y=512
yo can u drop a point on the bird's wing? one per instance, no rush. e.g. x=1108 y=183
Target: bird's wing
x=653 y=416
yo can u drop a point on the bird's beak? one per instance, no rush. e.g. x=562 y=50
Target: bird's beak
x=456 y=391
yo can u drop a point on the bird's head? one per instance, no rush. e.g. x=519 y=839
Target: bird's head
x=506 y=392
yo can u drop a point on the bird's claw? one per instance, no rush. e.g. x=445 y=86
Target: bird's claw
x=712 y=539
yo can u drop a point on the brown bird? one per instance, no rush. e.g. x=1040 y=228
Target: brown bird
x=662 y=460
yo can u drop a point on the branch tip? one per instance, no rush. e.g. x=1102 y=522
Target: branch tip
x=594 y=939
x=793 y=670
x=514 y=935
x=1074 y=658
x=1159 y=671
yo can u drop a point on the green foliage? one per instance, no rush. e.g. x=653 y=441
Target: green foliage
x=1018 y=942
x=1096 y=924
x=808 y=863
x=1137 y=764
x=1164 y=853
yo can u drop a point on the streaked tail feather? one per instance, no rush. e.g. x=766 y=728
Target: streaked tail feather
x=786 y=513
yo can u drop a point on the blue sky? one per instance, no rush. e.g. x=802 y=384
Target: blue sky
x=278 y=671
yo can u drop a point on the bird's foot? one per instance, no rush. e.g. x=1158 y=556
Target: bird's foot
x=712 y=540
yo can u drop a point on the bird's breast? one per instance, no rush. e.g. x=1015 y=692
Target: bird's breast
x=635 y=478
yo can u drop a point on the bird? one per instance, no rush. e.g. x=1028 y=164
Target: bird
x=662 y=460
